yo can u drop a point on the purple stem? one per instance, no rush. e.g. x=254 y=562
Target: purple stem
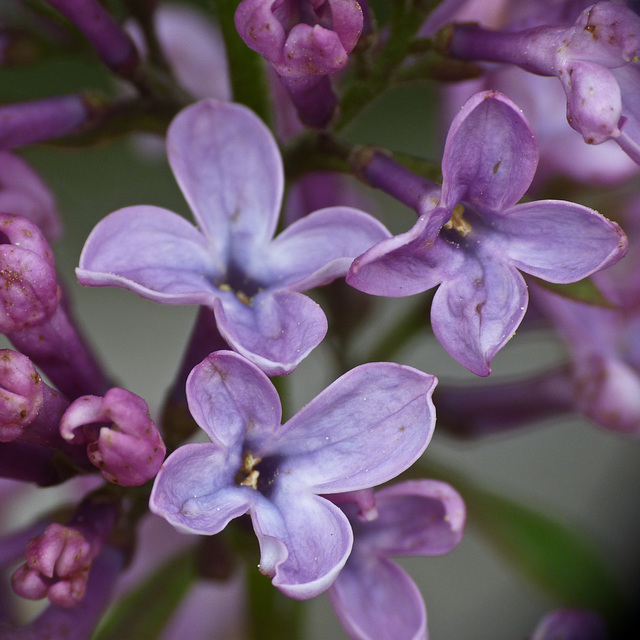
x=113 y=44
x=482 y=410
x=32 y=463
x=379 y=170
x=59 y=349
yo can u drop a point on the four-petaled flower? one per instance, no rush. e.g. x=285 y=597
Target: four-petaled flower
x=373 y=597
x=230 y=171
x=473 y=241
x=364 y=429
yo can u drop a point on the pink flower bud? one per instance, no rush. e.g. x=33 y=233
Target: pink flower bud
x=21 y=394
x=28 y=285
x=122 y=440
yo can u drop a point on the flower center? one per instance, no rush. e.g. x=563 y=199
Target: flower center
x=258 y=473
x=244 y=287
x=457 y=221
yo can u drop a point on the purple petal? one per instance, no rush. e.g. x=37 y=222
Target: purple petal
x=315 y=533
x=228 y=166
x=559 y=241
x=260 y=29
x=229 y=396
x=320 y=247
x=403 y=265
x=375 y=599
x=490 y=155
x=311 y=50
x=195 y=489
x=362 y=430
x=419 y=517
x=474 y=315
x=346 y=20
x=276 y=331
x=152 y=252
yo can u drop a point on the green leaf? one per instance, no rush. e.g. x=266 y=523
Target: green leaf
x=582 y=291
x=143 y=613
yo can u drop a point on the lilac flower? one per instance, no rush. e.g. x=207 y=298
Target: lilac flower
x=304 y=41
x=605 y=351
x=33 y=316
x=373 y=597
x=193 y=47
x=475 y=238
x=301 y=38
x=122 y=441
x=571 y=624
x=57 y=623
x=595 y=59
x=59 y=560
x=29 y=408
x=24 y=193
x=229 y=169
x=364 y=429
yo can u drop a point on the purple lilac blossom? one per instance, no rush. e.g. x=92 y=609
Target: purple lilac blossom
x=230 y=171
x=59 y=560
x=58 y=623
x=304 y=41
x=374 y=598
x=193 y=47
x=605 y=352
x=122 y=440
x=24 y=193
x=596 y=60
x=474 y=240
x=571 y=624
x=362 y=430
x=33 y=314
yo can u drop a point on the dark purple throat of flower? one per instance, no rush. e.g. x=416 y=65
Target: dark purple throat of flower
x=258 y=473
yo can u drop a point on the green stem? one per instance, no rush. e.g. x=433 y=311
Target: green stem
x=272 y=615
x=246 y=67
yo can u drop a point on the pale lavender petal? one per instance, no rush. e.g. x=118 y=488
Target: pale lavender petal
x=404 y=265
x=559 y=241
x=474 y=315
x=364 y=429
x=316 y=534
x=419 y=517
x=375 y=599
x=321 y=246
x=228 y=166
x=276 y=331
x=228 y=397
x=195 y=489
x=152 y=252
x=490 y=155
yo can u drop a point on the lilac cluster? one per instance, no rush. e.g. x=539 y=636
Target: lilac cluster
x=336 y=490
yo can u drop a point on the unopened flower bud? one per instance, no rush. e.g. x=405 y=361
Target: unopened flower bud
x=28 y=284
x=21 y=394
x=122 y=440
x=59 y=560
